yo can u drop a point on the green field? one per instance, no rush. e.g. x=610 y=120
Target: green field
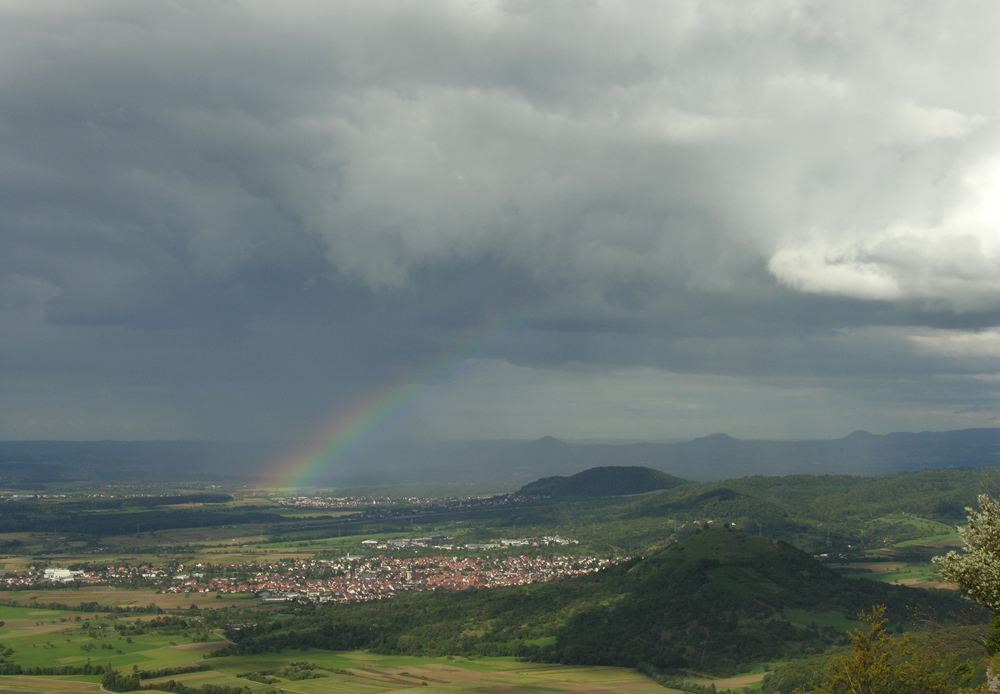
x=919 y=575
x=47 y=638
x=26 y=615
x=363 y=673
x=943 y=541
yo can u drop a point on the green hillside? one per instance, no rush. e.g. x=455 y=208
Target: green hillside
x=715 y=603
x=721 y=600
x=603 y=481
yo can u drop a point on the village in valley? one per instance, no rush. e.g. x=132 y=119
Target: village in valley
x=351 y=578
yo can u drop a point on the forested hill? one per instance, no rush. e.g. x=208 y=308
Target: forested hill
x=603 y=481
x=715 y=602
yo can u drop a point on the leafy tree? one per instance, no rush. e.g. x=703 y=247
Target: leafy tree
x=881 y=663
x=976 y=571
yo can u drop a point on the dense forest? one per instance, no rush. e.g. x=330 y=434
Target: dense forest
x=603 y=481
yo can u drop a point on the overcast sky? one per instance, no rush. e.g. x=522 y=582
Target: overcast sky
x=500 y=219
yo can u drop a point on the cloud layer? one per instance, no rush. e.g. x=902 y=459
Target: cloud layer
x=229 y=219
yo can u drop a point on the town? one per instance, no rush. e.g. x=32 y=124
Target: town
x=384 y=507
x=352 y=578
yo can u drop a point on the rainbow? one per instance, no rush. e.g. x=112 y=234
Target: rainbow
x=350 y=427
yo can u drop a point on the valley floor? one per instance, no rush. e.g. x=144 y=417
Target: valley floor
x=366 y=673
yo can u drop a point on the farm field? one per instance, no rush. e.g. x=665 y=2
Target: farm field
x=42 y=647
x=735 y=683
x=370 y=672
x=47 y=685
x=364 y=673
x=898 y=573
x=128 y=598
x=946 y=541
x=49 y=638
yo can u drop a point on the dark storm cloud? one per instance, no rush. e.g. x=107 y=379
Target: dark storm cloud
x=229 y=218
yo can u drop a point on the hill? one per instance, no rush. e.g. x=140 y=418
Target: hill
x=603 y=481
x=715 y=457
x=713 y=603
x=723 y=599
x=708 y=458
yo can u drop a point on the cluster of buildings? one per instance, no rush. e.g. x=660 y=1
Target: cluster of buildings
x=26 y=497
x=383 y=505
x=121 y=576
x=357 y=579
x=344 y=580
x=32 y=579
x=336 y=502
x=61 y=575
x=438 y=542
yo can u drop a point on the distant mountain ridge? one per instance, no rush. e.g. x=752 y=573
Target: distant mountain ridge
x=720 y=456
x=709 y=458
x=603 y=481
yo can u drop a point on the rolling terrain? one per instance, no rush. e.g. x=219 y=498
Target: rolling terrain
x=716 y=602
x=725 y=576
